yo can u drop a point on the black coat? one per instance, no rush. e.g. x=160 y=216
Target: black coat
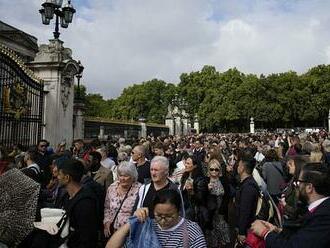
x=44 y=161
x=196 y=204
x=99 y=192
x=83 y=217
x=246 y=204
x=315 y=231
x=143 y=172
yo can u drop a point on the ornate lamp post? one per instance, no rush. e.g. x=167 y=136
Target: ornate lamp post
x=63 y=14
x=79 y=75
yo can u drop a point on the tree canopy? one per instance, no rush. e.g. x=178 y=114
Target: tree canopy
x=226 y=101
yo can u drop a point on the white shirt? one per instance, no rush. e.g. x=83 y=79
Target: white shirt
x=316 y=203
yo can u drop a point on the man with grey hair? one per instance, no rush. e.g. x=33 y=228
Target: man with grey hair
x=142 y=164
x=159 y=171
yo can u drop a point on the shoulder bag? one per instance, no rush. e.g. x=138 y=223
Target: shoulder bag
x=112 y=228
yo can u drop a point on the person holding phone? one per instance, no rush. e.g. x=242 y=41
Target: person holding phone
x=194 y=192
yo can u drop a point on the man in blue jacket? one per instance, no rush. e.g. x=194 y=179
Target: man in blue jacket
x=314 y=190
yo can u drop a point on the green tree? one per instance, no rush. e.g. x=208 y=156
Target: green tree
x=149 y=99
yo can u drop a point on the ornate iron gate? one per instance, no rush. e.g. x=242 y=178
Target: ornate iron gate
x=21 y=102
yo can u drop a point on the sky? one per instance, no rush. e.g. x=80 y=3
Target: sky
x=122 y=42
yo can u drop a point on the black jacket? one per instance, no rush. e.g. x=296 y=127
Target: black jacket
x=315 y=231
x=44 y=161
x=246 y=204
x=83 y=216
x=143 y=172
x=99 y=192
x=196 y=204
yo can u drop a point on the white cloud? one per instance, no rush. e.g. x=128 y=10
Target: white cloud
x=121 y=42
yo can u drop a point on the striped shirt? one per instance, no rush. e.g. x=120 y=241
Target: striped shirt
x=174 y=237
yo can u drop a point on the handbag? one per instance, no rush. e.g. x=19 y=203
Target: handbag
x=54 y=221
x=112 y=228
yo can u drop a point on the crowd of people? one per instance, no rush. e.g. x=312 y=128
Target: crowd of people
x=207 y=190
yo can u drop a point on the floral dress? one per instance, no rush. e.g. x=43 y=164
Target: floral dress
x=113 y=201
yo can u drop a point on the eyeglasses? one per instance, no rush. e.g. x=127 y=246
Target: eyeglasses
x=214 y=169
x=159 y=218
x=43 y=145
x=298 y=182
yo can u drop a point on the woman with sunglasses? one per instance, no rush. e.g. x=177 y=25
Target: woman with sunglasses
x=167 y=229
x=218 y=234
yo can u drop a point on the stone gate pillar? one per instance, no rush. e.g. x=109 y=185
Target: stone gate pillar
x=54 y=64
x=143 y=132
x=196 y=124
x=251 y=125
x=184 y=122
x=178 y=125
x=78 y=120
x=169 y=120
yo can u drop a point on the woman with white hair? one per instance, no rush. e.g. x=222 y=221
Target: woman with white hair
x=120 y=198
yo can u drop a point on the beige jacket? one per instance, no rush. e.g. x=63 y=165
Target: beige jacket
x=104 y=177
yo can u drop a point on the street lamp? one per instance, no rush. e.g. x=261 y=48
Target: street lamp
x=64 y=14
x=79 y=75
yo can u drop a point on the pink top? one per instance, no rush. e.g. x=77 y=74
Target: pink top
x=113 y=201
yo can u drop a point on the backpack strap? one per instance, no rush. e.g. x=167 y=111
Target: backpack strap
x=121 y=204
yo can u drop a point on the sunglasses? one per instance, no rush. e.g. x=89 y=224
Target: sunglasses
x=214 y=169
